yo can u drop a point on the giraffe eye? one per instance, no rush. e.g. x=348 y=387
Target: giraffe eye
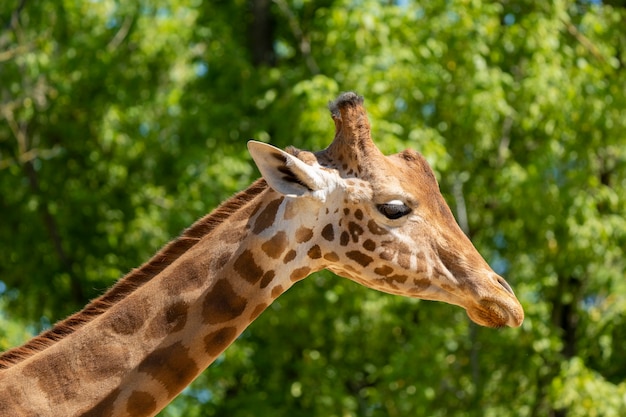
x=394 y=209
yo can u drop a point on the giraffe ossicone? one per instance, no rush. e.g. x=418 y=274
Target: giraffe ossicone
x=378 y=220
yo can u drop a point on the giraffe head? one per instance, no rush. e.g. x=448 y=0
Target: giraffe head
x=382 y=221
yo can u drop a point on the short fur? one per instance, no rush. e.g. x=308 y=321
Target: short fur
x=135 y=278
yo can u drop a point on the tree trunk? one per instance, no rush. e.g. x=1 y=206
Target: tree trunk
x=261 y=33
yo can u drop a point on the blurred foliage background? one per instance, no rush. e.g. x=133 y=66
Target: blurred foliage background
x=122 y=122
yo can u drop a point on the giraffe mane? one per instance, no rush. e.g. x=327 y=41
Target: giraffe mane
x=134 y=279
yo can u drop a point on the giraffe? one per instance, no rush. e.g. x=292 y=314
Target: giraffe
x=378 y=220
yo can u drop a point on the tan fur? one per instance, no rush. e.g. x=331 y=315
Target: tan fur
x=134 y=279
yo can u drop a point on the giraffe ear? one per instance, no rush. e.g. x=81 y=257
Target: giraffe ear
x=284 y=172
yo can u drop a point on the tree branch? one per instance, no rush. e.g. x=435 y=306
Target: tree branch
x=15 y=15
x=11 y=53
x=121 y=34
x=584 y=41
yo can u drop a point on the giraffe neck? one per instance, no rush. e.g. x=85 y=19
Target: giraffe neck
x=142 y=351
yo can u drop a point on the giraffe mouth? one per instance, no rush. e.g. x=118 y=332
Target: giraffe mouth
x=494 y=306
x=485 y=312
x=492 y=314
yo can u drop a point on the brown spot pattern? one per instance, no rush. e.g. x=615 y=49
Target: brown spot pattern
x=267 y=278
x=398 y=278
x=247 y=268
x=421 y=284
x=277 y=290
x=128 y=321
x=299 y=273
x=222 y=303
x=344 y=239
x=421 y=258
x=328 y=232
x=257 y=310
x=331 y=256
x=369 y=245
x=290 y=256
x=186 y=276
x=375 y=228
x=267 y=216
x=386 y=255
x=171 y=366
x=315 y=252
x=54 y=376
x=99 y=360
x=303 y=234
x=383 y=270
x=140 y=403
x=355 y=231
x=358 y=214
x=217 y=341
x=176 y=316
x=172 y=320
x=359 y=257
x=276 y=245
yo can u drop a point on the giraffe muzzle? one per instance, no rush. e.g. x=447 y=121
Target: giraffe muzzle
x=492 y=313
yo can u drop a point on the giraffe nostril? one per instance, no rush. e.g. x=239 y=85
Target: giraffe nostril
x=505 y=285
